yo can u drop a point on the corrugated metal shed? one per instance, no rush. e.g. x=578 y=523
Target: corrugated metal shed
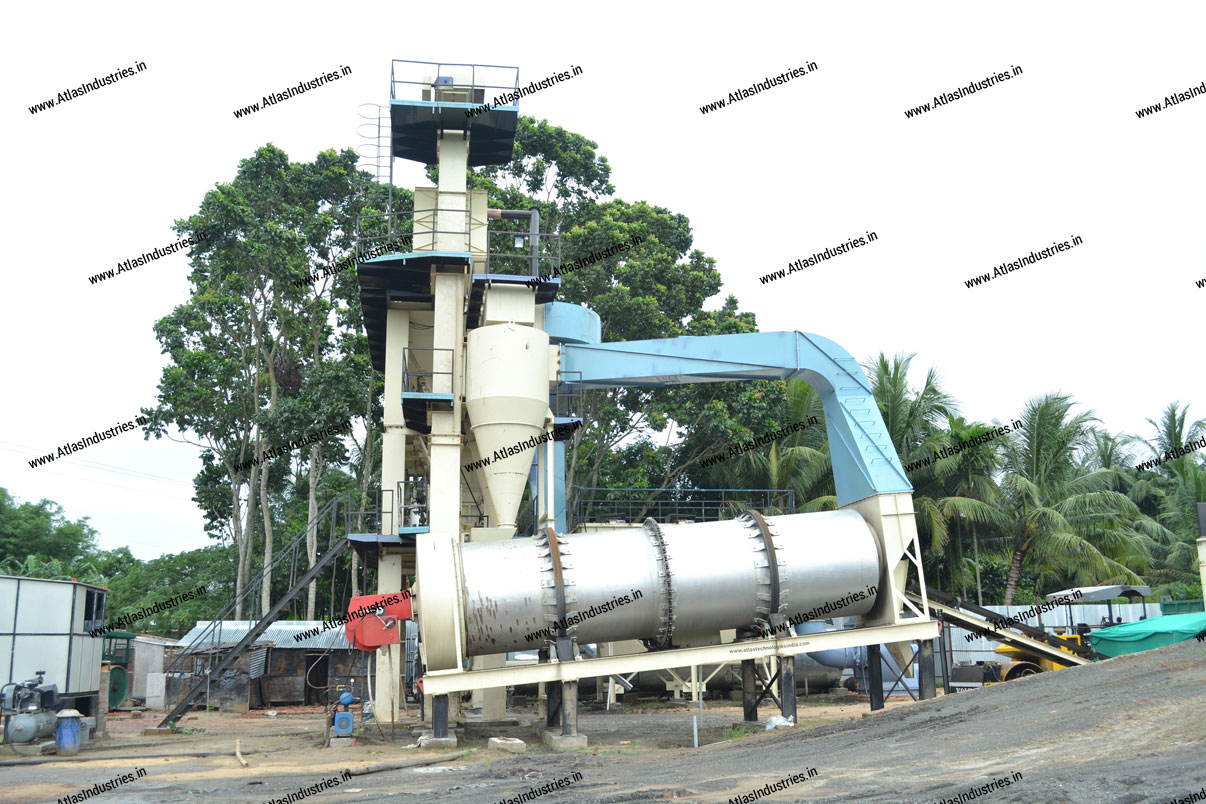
x=282 y=632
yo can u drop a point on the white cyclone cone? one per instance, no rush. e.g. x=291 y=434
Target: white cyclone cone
x=507 y=398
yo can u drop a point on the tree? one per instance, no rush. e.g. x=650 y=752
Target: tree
x=40 y=529
x=971 y=493
x=1070 y=525
x=254 y=350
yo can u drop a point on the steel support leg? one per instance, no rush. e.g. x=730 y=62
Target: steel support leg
x=787 y=686
x=554 y=705
x=927 y=685
x=439 y=716
x=749 y=690
x=569 y=708
x=875 y=678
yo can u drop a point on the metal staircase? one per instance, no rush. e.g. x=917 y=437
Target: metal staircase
x=362 y=512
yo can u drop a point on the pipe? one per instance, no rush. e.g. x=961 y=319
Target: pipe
x=13 y=763
x=662 y=583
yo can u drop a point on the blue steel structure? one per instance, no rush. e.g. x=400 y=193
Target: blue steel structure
x=864 y=461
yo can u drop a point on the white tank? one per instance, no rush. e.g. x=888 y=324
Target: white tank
x=507 y=399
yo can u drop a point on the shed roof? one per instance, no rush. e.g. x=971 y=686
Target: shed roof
x=283 y=633
x=1092 y=594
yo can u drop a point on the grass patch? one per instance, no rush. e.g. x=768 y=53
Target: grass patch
x=737 y=731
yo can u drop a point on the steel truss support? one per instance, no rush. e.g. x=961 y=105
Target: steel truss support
x=444 y=681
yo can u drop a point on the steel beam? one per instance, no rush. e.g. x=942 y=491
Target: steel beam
x=445 y=681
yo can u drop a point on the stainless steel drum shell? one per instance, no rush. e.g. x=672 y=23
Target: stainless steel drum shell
x=656 y=582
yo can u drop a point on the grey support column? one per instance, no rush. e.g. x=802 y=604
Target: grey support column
x=439 y=716
x=787 y=686
x=927 y=684
x=875 y=677
x=569 y=708
x=749 y=690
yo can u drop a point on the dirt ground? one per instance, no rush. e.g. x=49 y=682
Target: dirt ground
x=1130 y=730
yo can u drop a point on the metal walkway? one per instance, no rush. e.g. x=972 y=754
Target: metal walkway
x=1023 y=637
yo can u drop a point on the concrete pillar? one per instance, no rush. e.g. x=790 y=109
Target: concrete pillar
x=393 y=441
x=569 y=708
x=391 y=666
x=102 y=703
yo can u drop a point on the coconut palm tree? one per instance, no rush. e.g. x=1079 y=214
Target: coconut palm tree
x=971 y=494
x=1068 y=523
x=799 y=461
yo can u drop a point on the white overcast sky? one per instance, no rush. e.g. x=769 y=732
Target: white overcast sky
x=1055 y=152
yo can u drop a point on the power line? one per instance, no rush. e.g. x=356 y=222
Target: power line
x=98 y=466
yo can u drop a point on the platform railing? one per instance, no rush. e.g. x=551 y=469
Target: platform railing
x=418 y=379
x=519 y=252
x=634 y=505
x=428 y=80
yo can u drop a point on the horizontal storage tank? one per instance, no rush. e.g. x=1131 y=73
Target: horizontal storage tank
x=668 y=584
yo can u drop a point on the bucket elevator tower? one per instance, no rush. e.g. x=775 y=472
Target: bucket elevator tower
x=462 y=321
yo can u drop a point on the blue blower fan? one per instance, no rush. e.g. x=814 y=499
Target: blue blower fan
x=344 y=721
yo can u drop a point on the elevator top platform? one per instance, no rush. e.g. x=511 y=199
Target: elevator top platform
x=428 y=99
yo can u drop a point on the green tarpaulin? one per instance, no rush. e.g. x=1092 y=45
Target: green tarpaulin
x=1155 y=632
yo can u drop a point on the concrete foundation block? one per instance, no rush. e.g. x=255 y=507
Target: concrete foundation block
x=437 y=742
x=341 y=742
x=512 y=744
x=561 y=743
x=488 y=728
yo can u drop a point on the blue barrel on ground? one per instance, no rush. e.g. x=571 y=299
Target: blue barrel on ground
x=67 y=733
